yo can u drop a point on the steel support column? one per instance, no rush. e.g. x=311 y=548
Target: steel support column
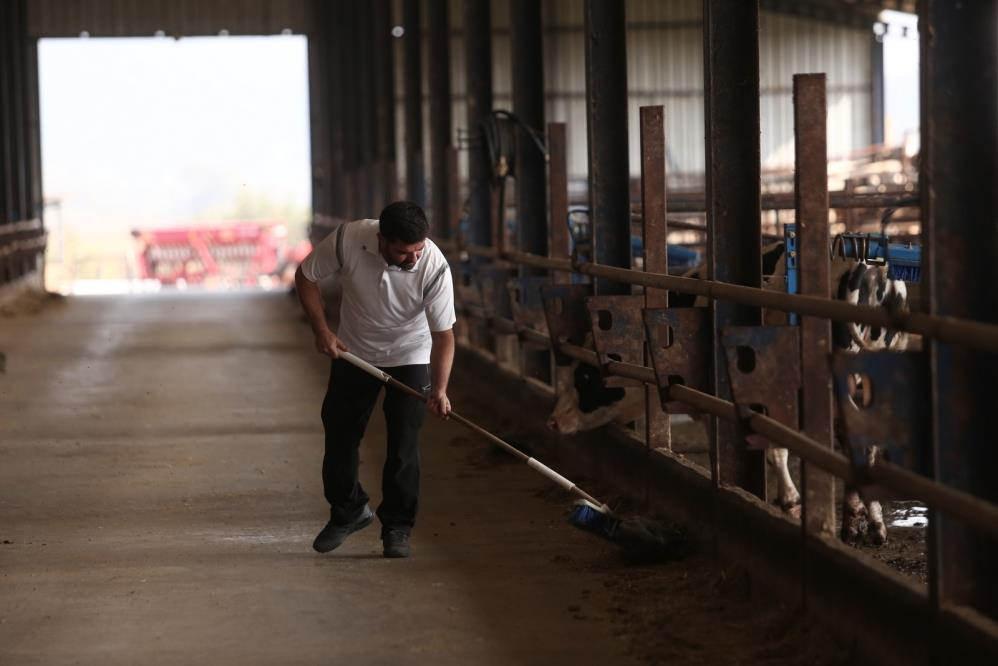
x=33 y=129
x=7 y=166
x=367 y=182
x=526 y=43
x=731 y=96
x=606 y=115
x=438 y=75
x=412 y=69
x=318 y=102
x=384 y=104
x=19 y=128
x=342 y=132
x=478 y=74
x=528 y=105
x=811 y=192
x=877 y=89
x=959 y=119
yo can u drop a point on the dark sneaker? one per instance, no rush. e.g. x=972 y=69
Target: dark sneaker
x=396 y=543
x=332 y=535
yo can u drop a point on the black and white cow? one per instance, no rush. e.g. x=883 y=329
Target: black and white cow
x=866 y=284
x=585 y=403
x=588 y=404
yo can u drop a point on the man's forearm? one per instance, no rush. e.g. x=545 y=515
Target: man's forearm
x=441 y=359
x=311 y=302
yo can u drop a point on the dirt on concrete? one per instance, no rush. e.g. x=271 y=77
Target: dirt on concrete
x=159 y=490
x=905 y=550
x=694 y=611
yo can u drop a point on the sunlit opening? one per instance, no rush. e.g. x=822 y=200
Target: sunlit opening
x=174 y=164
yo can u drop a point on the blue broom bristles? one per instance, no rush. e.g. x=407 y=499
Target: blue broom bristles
x=641 y=539
x=587 y=516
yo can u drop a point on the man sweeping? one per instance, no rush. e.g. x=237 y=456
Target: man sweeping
x=397 y=314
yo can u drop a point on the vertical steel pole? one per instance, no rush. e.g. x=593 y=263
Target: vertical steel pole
x=606 y=115
x=653 y=213
x=478 y=74
x=7 y=166
x=877 y=90
x=731 y=96
x=959 y=120
x=349 y=88
x=318 y=101
x=34 y=132
x=384 y=103
x=811 y=200
x=336 y=108
x=367 y=183
x=412 y=71
x=558 y=196
x=438 y=73
x=18 y=100
x=528 y=105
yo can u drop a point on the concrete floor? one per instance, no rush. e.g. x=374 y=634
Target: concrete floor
x=159 y=491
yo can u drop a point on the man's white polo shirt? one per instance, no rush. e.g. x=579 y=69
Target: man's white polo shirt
x=387 y=313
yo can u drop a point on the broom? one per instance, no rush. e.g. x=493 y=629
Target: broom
x=640 y=538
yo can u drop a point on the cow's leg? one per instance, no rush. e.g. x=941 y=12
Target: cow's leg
x=854 y=519
x=787 y=496
x=877 y=530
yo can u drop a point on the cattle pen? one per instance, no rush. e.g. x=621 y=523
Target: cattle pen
x=536 y=289
x=697 y=217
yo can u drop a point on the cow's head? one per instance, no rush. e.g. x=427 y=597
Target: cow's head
x=584 y=403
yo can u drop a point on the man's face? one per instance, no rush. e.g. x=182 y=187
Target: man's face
x=397 y=253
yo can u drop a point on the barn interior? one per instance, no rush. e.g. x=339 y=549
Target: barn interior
x=761 y=236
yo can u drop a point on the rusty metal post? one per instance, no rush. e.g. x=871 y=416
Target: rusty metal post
x=478 y=75
x=731 y=111
x=384 y=44
x=606 y=115
x=959 y=119
x=558 y=196
x=653 y=212
x=438 y=73
x=412 y=69
x=811 y=193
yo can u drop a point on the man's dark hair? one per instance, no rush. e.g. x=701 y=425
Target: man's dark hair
x=403 y=221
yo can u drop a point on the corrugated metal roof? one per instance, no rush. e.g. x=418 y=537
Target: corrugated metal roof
x=130 y=18
x=665 y=66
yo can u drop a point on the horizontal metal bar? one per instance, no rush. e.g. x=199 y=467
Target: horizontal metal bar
x=977 y=335
x=949 y=329
x=579 y=354
x=535 y=337
x=20 y=227
x=504 y=325
x=972 y=510
x=639 y=372
x=695 y=202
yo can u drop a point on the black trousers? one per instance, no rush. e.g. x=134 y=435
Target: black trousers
x=350 y=399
